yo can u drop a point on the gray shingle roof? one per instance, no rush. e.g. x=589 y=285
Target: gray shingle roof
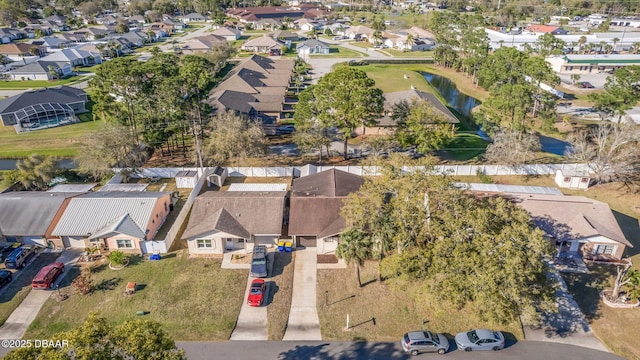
x=312 y=43
x=60 y=95
x=94 y=212
x=40 y=66
x=29 y=212
x=258 y=213
x=327 y=183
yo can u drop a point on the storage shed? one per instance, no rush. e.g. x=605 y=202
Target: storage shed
x=573 y=178
x=186 y=179
x=217 y=177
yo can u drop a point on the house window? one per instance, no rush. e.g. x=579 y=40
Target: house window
x=12 y=239
x=567 y=179
x=124 y=244
x=605 y=249
x=204 y=243
x=584 y=180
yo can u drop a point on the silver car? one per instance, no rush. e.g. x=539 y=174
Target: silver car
x=417 y=342
x=480 y=339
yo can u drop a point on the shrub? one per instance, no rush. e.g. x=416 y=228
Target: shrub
x=117 y=258
x=486 y=179
x=83 y=284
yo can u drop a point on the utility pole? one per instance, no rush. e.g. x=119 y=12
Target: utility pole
x=499 y=2
x=196 y=130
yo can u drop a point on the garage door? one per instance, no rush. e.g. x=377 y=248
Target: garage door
x=306 y=241
x=74 y=242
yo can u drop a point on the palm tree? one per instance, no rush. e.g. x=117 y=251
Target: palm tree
x=615 y=41
x=410 y=41
x=582 y=41
x=377 y=36
x=53 y=71
x=354 y=247
x=575 y=78
x=635 y=48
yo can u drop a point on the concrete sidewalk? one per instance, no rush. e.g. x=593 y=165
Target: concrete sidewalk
x=20 y=319
x=252 y=321
x=304 y=323
x=568 y=325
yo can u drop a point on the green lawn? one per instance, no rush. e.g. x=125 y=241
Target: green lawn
x=396 y=308
x=193 y=299
x=390 y=78
x=63 y=141
x=464 y=147
x=362 y=44
x=340 y=52
x=408 y=54
x=34 y=84
x=18 y=289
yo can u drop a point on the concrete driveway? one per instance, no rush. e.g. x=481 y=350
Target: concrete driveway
x=252 y=321
x=568 y=325
x=20 y=319
x=303 y=323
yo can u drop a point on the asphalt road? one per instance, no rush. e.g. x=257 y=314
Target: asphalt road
x=312 y=350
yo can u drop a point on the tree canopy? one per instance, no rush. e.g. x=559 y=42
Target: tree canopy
x=345 y=98
x=97 y=339
x=231 y=136
x=462 y=248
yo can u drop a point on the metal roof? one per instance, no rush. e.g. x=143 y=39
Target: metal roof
x=29 y=212
x=258 y=187
x=187 y=174
x=518 y=189
x=94 y=212
x=125 y=187
x=72 y=188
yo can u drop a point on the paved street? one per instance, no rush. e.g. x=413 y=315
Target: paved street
x=319 y=350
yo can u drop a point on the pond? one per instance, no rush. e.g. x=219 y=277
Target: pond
x=10 y=164
x=448 y=90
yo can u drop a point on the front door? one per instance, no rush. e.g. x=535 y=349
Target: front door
x=229 y=244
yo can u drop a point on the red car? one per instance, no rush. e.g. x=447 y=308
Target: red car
x=256 y=292
x=47 y=275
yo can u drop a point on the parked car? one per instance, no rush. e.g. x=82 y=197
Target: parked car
x=259 y=262
x=5 y=277
x=480 y=339
x=256 y=292
x=47 y=276
x=19 y=257
x=416 y=342
x=286 y=129
x=587 y=85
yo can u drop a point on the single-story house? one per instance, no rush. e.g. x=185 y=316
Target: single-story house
x=16 y=52
x=306 y=25
x=284 y=35
x=262 y=44
x=42 y=70
x=312 y=46
x=75 y=57
x=316 y=200
x=578 y=225
x=51 y=44
x=114 y=220
x=386 y=122
x=7 y=35
x=230 y=34
x=202 y=43
x=267 y=24
x=540 y=29
x=223 y=221
x=360 y=33
x=193 y=17
x=28 y=217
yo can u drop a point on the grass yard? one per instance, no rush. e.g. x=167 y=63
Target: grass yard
x=34 y=84
x=280 y=292
x=394 y=308
x=408 y=54
x=464 y=147
x=362 y=44
x=63 y=141
x=193 y=299
x=19 y=288
x=340 y=52
x=390 y=78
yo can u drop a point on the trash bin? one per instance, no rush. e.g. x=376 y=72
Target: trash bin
x=287 y=246
x=281 y=246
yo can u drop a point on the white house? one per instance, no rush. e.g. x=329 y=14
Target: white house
x=230 y=34
x=312 y=46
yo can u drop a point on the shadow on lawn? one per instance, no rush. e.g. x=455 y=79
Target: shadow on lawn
x=586 y=288
x=631 y=230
